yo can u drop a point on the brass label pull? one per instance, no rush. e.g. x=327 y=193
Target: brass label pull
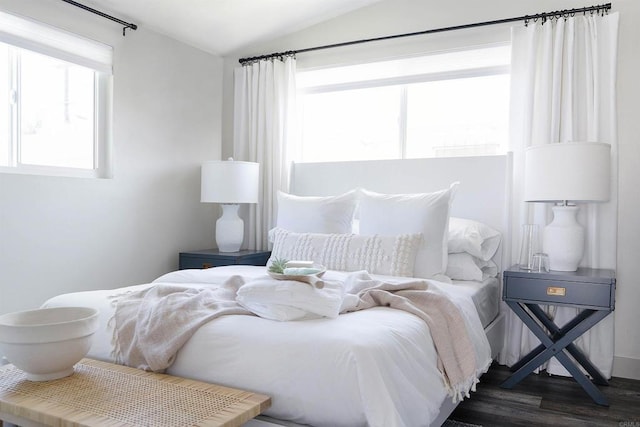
x=556 y=291
x=206 y=265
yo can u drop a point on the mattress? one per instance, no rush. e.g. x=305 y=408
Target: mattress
x=374 y=367
x=485 y=295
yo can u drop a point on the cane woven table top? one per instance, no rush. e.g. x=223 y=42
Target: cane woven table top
x=104 y=394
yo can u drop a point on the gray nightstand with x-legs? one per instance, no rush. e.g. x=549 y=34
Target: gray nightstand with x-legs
x=592 y=290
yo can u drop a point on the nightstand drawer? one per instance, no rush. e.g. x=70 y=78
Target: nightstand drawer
x=209 y=258
x=191 y=261
x=558 y=292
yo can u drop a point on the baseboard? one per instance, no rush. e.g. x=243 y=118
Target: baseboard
x=626 y=367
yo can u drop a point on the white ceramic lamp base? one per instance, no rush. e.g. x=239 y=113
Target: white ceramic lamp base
x=563 y=239
x=229 y=229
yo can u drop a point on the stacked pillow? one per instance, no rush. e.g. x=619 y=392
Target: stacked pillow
x=426 y=213
x=331 y=214
x=471 y=246
x=393 y=230
x=388 y=255
x=399 y=234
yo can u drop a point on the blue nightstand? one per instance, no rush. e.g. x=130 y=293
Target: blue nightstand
x=592 y=290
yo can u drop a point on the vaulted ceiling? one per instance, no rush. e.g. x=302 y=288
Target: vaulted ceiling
x=223 y=26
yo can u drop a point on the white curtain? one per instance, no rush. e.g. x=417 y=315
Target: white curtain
x=563 y=89
x=263 y=123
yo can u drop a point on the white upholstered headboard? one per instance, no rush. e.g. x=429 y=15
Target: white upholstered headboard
x=483 y=193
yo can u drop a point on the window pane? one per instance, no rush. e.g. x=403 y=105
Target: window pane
x=351 y=125
x=5 y=106
x=459 y=117
x=57 y=121
x=443 y=104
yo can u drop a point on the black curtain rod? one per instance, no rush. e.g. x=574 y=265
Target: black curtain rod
x=526 y=18
x=104 y=15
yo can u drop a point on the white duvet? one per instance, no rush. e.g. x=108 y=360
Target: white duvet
x=372 y=367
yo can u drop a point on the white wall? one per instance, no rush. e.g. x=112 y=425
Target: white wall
x=65 y=234
x=403 y=16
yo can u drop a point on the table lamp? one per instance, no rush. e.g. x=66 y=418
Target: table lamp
x=562 y=173
x=229 y=183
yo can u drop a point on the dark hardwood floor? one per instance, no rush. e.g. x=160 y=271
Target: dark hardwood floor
x=543 y=400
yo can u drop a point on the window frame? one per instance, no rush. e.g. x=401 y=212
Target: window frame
x=403 y=82
x=24 y=34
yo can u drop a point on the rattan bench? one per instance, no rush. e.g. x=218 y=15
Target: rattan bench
x=103 y=394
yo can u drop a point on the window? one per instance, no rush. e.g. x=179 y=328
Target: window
x=57 y=91
x=446 y=104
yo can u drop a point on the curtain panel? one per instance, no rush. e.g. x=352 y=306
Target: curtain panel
x=563 y=88
x=264 y=113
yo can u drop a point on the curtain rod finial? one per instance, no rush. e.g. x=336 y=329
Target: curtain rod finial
x=130 y=27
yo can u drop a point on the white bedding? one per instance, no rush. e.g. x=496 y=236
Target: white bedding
x=372 y=367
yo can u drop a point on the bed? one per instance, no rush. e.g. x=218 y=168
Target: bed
x=348 y=366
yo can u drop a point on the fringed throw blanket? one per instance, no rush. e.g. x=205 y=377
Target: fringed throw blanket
x=456 y=353
x=153 y=324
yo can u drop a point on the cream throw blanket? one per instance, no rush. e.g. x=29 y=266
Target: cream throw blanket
x=456 y=355
x=152 y=325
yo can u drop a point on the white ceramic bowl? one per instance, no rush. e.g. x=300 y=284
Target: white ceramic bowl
x=47 y=342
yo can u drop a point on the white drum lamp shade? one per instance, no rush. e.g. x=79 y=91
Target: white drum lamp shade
x=562 y=173
x=229 y=183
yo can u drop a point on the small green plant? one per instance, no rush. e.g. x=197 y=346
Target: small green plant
x=278 y=265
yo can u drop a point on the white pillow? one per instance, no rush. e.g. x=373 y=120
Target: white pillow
x=308 y=214
x=388 y=255
x=473 y=237
x=289 y=300
x=426 y=213
x=463 y=266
